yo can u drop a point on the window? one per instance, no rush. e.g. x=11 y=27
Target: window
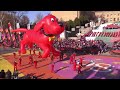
x=110 y=19
x=118 y=14
x=114 y=19
x=108 y=15
x=111 y=14
x=117 y=19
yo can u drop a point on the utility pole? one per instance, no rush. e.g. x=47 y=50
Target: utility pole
x=14 y=19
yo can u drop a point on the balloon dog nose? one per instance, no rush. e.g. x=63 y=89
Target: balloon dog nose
x=61 y=24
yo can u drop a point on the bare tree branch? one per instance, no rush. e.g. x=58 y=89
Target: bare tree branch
x=39 y=16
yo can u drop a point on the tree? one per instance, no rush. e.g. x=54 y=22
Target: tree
x=39 y=16
x=89 y=14
x=5 y=18
x=61 y=20
x=17 y=15
x=70 y=24
x=77 y=21
x=83 y=20
x=24 y=21
x=2 y=15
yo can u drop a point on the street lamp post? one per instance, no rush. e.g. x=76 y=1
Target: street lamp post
x=14 y=19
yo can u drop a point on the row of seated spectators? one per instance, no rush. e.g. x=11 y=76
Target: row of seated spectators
x=116 y=45
x=104 y=34
x=86 y=47
x=6 y=40
x=112 y=26
x=9 y=75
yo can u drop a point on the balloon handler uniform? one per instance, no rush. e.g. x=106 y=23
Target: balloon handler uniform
x=52 y=67
x=34 y=52
x=43 y=35
x=14 y=54
x=30 y=59
x=79 y=68
x=35 y=63
x=39 y=56
x=74 y=54
x=19 y=52
x=71 y=59
x=81 y=61
x=15 y=65
x=74 y=65
x=20 y=61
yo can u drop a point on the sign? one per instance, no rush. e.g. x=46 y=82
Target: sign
x=72 y=29
x=77 y=26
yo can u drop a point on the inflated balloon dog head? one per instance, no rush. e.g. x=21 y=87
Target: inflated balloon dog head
x=50 y=25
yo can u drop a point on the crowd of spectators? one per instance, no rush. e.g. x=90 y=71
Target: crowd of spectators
x=14 y=75
x=82 y=46
x=116 y=45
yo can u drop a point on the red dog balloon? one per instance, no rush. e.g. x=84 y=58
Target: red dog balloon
x=43 y=34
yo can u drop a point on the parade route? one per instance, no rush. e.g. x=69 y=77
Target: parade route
x=63 y=69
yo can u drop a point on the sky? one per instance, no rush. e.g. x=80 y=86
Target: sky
x=32 y=14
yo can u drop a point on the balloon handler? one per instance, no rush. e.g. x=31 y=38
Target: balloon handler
x=20 y=61
x=14 y=54
x=15 y=66
x=31 y=59
x=35 y=63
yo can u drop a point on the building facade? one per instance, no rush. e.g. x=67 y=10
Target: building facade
x=110 y=16
x=66 y=15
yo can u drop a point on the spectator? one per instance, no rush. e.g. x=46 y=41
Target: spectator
x=8 y=74
x=15 y=74
x=2 y=74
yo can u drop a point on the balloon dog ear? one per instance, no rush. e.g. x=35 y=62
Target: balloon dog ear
x=39 y=26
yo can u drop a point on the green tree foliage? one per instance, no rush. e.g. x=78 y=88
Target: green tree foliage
x=89 y=14
x=77 y=21
x=70 y=24
x=83 y=20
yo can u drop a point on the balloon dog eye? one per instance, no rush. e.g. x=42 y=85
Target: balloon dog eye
x=52 y=19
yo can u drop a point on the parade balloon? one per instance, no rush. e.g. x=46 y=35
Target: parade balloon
x=43 y=34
